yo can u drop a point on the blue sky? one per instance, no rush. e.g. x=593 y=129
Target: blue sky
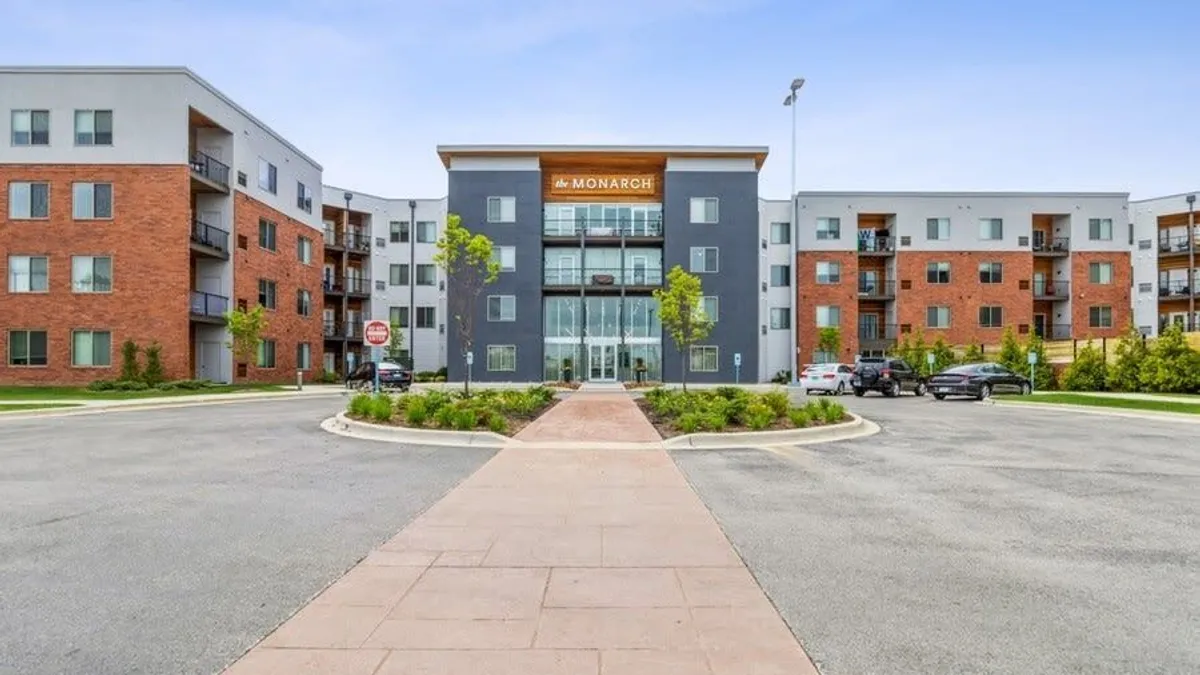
x=916 y=95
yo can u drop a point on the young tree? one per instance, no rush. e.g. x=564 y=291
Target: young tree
x=154 y=373
x=1172 y=366
x=1088 y=372
x=683 y=317
x=130 y=369
x=943 y=355
x=394 y=349
x=973 y=354
x=916 y=358
x=466 y=259
x=1012 y=356
x=1125 y=374
x=829 y=341
x=245 y=331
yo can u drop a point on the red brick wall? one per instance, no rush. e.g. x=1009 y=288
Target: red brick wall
x=1085 y=294
x=148 y=241
x=964 y=294
x=284 y=325
x=810 y=295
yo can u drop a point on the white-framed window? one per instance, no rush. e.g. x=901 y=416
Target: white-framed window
x=28 y=200
x=1100 y=273
x=1100 y=316
x=303 y=197
x=704 y=259
x=92 y=201
x=91 y=348
x=709 y=307
x=501 y=308
x=989 y=317
x=304 y=250
x=267 y=176
x=266 y=234
x=781 y=233
x=829 y=228
x=93 y=127
x=937 y=273
x=781 y=275
x=829 y=316
x=829 y=273
x=502 y=209
x=398 y=316
x=266 y=354
x=937 y=229
x=398 y=274
x=1100 y=229
x=991 y=273
x=303 y=302
x=937 y=317
x=30 y=127
x=91 y=274
x=398 y=231
x=991 y=229
x=27 y=348
x=506 y=256
x=303 y=356
x=704 y=358
x=28 y=274
x=781 y=318
x=426 y=274
x=501 y=358
x=426 y=232
x=266 y=293
x=427 y=317
x=705 y=210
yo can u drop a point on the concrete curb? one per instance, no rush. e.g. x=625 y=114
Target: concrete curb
x=1108 y=412
x=855 y=428
x=344 y=426
x=102 y=407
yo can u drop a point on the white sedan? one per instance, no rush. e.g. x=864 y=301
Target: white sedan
x=829 y=378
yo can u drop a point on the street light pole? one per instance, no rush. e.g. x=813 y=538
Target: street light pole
x=790 y=102
x=412 y=286
x=1191 y=235
x=345 y=305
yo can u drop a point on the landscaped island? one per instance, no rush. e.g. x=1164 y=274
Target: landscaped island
x=732 y=409
x=500 y=411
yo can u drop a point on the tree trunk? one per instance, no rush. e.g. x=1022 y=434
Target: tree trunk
x=683 y=372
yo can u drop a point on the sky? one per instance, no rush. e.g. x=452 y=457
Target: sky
x=900 y=94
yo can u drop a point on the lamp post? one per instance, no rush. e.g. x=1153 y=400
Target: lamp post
x=1191 y=235
x=345 y=306
x=790 y=102
x=412 y=286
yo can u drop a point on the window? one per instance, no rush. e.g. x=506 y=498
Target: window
x=27 y=348
x=92 y=201
x=937 y=317
x=829 y=316
x=28 y=274
x=266 y=354
x=780 y=275
x=91 y=348
x=502 y=308
x=781 y=233
x=93 y=127
x=991 y=273
x=829 y=228
x=28 y=200
x=426 y=232
x=502 y=209
x=1100 y=273
x=399 y=231
x=31 y=127
x=303 y=302
x=304 y=250
x=303 y=197
x=506 y=256
x=501 y=358
x=1100 y=229
x=704 y=259
x=989 y=317
x=398 y=316
x=266 y=234
x=426 y=275
x=303 y=356
x=241 y=178
x=91 y=274
x=1100 y=317
x=266 y=293
x=426 y=317
x=829 y=273
x=704 y=358
x=709 y=306
x=937 y=229
x=705 y=210
x=398 y=274
x=267 y=176
x=937 y=273
x=991 y=228
x=781 y=318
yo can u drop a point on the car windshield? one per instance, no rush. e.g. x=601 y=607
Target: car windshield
x=389 y=366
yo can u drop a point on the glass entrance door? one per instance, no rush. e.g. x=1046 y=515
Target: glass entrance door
x=602 y=362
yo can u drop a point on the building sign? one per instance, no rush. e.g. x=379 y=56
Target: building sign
x=602 y=184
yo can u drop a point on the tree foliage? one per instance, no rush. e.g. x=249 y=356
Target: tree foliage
x=1172 y=366
x=1125 y=374
x=130 y=368
x=395 y=346
x=1043 y=372
x=829 y=341
x=943 y=355
x=973 y=354
x=1088 y=372
x=466 y=259
x=154 y=374
x=245 y=331
x=682 y=315
x=1012 y=356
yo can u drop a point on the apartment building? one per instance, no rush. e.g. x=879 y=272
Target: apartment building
x=584 y=235
x=777 y=286
x=141 y=204
x=1166 y=262
x=379 y=265
x=961 y=266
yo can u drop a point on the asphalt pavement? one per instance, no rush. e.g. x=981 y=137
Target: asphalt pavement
x=170 y=541
x=969 y=538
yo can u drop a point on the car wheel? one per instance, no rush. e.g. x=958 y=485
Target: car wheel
x=940 y=397
x=808 y=392
x=920 y=390
x=841 y=388
x=858 y=391
x=1026 y=389
x=893 y=390
x=985 y=390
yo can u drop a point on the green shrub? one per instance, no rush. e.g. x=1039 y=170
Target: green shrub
x=166 y=386
x=102 y=385
x=832 y=412
x=130 y=370
x=782 y=377
x=360 y=405
x=441 y=372
x=191 y=385
x=154 y=373
x=689 y=423
x=496 y=423
x=713 y=420
x=1172 y=366
x=416 y=411
x=778 y=402
x=132 y=385
x=1088 y=372
x=1125 y=373
x=443 y=417
x=759 y=416
x=381 y=407
x=464 y=418
x=799 y=417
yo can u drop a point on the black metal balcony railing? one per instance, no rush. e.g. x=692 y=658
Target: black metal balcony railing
x=614 y=277
x=602 y=227
x=1177 y=288
x=207 y=235
x=1188 y=326
x=1051 y=290
x=878 y=331
x=358 y=285
x=210 y=169
x=874 y=288
x=877 y=245
x=209 y=304
x=339 y=329
x=1173 y=243
x=1052 y=245
x=356 y=241
x=1058 y=331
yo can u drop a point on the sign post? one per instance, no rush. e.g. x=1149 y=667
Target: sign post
x=1032 y=358
x=737 y=367
x=470 y=362
x=930 y=358
x=377 y=333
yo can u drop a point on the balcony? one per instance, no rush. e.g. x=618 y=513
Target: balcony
x=356 y=242
x=340 y=330
x=1057 y=331
x=1188 y=326
x=1173 y=245
x=208 y=240
x=208 y=174
x=1052 y=290
x=333 y=242
x=1052 y=247
x=602 y=279
x=208 y=307
x=877 y=336
x=877 y=246
x=357 y=286
x=1177 y=289
x=872 y=289
x=602 y=230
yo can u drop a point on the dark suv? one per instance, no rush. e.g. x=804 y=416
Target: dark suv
x=887 y=376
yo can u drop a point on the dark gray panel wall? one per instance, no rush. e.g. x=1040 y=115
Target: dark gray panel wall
x=736 y=283
x=467 y=196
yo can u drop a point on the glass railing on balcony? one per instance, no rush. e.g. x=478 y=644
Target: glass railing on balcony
x=603 y=277
x=209 y=304
x=1051 y=290
x=359 y=285
x=873 y=288
x=1177 y=288
x=602 y=227
x=877 y=244
x=356 y=241
x=1052 y=245
x=878 y=331
x=1173 y=243
x=209 y=168
x=207 y=235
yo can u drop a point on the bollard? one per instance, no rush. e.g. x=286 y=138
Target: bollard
x=299 y=380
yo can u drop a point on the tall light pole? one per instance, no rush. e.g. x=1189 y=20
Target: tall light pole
x=1191 y=235
x=345 y=272
x=790 y=102
x=412 y=286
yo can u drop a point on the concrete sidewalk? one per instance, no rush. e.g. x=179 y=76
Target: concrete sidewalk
x=548 y=562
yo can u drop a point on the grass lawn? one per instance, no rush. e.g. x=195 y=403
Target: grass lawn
x=1110 y=402
x=13 y=407
x=10 y=393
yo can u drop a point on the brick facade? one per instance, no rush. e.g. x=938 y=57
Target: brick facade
x=810 y=295
x=147 y=239
x=1086 y=295
x=964 y=295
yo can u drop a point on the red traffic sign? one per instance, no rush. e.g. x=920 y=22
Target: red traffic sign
x=377 y=333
